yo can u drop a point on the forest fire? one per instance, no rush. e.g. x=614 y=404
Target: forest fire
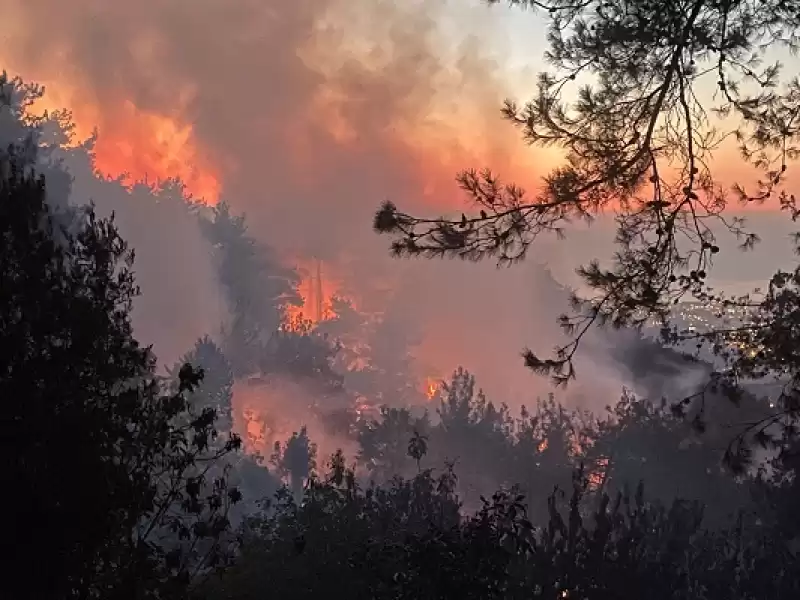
x=431 y=387
x=251 y=154
x=317 y=290
x=137 y=145
x=253 y=431
x=310 y=166
x=152 y=147
x=255 y=417
x=270 y=411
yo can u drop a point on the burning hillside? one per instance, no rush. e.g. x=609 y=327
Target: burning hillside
x=319 y=291
x=262 y=106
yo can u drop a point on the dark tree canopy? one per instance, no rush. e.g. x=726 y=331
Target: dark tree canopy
x=383 y=442
x=115 y=491
x=411 y=539
x=257 y=284
x=538 y=449
x=215 y=391
x=643 y=442
x=295 y=460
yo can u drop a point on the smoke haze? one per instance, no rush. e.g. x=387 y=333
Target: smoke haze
x=304 y=115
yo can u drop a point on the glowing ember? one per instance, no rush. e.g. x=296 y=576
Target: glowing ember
x=148 y=146
x=137 y=145
x=431 y=387
x=598 y=478
x=317 y=290
x=365 y=411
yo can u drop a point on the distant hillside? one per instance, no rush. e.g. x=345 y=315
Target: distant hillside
x=657 y=373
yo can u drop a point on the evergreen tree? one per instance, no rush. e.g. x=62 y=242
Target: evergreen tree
x=116 y=492
x=295 y=460
x=642 y=441
x=257 y=284
x=303 y=354
x=623 y=97
x=383 y=442
x=215 y=391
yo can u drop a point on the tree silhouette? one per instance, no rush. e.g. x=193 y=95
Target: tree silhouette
x=258 y=287
x=383 y=442
x=547 y=446
x=303 y=354
x=474 y=434
x=623 y=99
x=295 y=460
x=409 y=540
x=116 y=488
x=215 y=391
x=641 y=441
x=491 y=449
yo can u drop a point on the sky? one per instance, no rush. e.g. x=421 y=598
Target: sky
x=522 y=36
x=307 y=114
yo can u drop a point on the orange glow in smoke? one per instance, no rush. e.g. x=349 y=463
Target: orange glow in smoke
x=431 y=387
x=317 y=288
x=254 y=421
x=152 y=147
x=253 y=431
x=136 y=145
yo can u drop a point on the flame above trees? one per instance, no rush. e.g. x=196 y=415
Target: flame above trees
x=318 y=289
x=137 y=145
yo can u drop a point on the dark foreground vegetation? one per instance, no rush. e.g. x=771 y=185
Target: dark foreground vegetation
x=125 y=484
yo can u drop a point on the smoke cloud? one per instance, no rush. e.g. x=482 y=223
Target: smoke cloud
x=181 y=299
x=305 y=115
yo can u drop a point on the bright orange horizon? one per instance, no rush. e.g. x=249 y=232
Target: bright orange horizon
x=369 y=73
x=140 y=145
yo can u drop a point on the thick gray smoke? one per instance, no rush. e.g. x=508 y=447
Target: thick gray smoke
x=308 y=113
x=181 y=298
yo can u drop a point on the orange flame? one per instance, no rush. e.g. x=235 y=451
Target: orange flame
x=253 y=431
x=138 y=145
x=149 y=146
x=317 y=288
x=254 y=422
x=431 y=387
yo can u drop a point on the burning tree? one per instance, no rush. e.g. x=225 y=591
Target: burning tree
x=257 y=284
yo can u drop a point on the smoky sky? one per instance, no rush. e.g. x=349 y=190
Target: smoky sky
x=311 y=113
x=263 y=83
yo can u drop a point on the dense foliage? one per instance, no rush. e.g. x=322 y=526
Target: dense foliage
x=116 y=489
x=538 y=450
x=258 y=286
x=215 y=391
x=410 y=539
